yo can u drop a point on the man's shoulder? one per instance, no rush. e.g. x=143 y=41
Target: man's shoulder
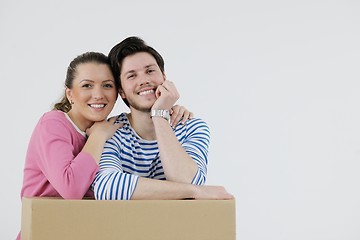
x=121 y=118
x=192 y=124
x=125 y=130
x=196 y=120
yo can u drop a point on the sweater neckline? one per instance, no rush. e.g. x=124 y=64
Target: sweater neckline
x=76 y=127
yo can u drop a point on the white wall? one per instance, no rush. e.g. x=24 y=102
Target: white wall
x=277 y=81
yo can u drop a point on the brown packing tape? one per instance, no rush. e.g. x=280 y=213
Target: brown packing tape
x=48 y=218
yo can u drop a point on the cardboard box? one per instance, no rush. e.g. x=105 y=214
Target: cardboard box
x=53 y=219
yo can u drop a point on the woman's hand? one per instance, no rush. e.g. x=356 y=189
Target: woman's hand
x=104 y=129
x=179 y=113
x=97 y=134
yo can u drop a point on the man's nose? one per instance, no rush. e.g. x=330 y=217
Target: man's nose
x=145 y=80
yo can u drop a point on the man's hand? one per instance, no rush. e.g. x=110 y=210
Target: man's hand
x=166 y=95
x=212 y=193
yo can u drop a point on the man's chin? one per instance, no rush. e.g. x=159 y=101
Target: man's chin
x=146 y=109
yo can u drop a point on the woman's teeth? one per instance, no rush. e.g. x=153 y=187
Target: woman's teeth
x=97 y=105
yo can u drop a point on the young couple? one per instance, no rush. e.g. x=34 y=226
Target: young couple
x=157 y=151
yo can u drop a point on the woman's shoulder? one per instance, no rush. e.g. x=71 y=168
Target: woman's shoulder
x=56 y=121
x=53 y=115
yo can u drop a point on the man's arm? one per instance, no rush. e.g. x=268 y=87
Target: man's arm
x=167 y=190
x=112 y=187
x=177 y=164
x=113 y=183
x=185 y=163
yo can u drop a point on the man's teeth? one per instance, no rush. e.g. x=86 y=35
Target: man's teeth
x=97 y=105
x=146 y=92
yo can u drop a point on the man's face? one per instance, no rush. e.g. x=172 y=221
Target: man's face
x=140 y=76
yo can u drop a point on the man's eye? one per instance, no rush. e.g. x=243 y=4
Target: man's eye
x=130 y=76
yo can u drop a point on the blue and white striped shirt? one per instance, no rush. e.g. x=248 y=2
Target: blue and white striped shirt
x=126 y=157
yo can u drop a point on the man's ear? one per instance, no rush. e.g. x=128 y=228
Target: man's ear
x=122 y=94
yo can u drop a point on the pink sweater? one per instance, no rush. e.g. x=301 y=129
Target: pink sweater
x=54 y=164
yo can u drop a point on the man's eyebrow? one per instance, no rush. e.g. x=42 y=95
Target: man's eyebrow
x=150 y=65
x=130 y=71
x=147 y=66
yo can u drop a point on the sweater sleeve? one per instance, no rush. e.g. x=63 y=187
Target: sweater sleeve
x=196 y=144
x=111 y=182
x=68 y=170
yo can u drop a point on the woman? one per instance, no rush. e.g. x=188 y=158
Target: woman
x=66 y=144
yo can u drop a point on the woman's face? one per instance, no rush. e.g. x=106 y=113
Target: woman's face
x=93 y=94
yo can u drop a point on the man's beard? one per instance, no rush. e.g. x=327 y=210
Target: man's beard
x=138 y=107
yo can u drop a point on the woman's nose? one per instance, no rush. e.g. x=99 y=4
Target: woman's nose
x=98 y=94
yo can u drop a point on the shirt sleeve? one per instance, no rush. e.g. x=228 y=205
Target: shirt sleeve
x=71 y=175
x=196 y=144
x=111 y=182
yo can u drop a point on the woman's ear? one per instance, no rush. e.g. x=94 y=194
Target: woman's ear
x=68 y=94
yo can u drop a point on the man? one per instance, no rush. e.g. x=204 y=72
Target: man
x=147 y=158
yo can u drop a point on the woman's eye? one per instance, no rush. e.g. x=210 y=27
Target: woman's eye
x=86 y=85
x=108 y=85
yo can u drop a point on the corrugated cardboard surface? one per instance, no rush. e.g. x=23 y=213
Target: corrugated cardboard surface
x=53 y=219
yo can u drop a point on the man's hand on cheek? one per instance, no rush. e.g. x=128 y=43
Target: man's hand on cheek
x=166 y=95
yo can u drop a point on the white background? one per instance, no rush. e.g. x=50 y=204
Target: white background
x=277 y=82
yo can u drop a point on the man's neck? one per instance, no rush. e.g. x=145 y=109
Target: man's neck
x=142 y=123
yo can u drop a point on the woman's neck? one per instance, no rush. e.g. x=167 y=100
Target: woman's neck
x=82 y=125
